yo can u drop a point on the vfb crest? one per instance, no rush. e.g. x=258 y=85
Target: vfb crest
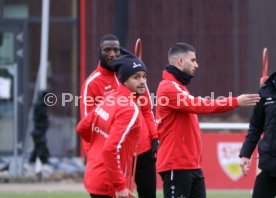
x=228 y=156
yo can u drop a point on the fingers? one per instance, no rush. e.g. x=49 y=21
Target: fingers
x=250 y=103
x=248 y=99
x=243 y=169
x=252 y=95
x=244 y=166
x=131 y=194
x=122 y=194
x=252 y=98
x=126 y=193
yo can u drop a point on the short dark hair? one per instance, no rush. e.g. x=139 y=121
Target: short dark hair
x=108 y=37
x=180 y=48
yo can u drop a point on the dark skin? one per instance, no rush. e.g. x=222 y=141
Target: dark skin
x=110 y=50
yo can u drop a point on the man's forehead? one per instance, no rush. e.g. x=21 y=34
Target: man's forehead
x=110 y=44
x=139 y=73
x=189 y=54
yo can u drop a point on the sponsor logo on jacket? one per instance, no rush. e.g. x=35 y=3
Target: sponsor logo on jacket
x=102 y=113
x=100 y=131
x=269 y=100
x=108 y=90
x=107 y=87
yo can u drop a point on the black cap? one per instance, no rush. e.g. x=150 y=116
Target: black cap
x=127 y=65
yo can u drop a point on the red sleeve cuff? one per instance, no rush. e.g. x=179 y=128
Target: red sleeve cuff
x=235 y=102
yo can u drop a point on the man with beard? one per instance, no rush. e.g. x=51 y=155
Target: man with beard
x=100 y=83
x=113 y=130
x=179 y=154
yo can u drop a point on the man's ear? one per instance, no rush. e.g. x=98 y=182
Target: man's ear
x=180 y=60
x=125 y=83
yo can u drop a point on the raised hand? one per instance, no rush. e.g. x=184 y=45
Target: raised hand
x=248 y=99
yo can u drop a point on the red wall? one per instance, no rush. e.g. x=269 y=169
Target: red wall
x=221 y=150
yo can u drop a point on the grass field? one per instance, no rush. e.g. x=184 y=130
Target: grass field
x=213 y=194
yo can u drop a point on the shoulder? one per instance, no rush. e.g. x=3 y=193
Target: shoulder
x=93 y=77
x=92 y=80
x=127 y=115
x=170 y=86
x=164 y=84
x=127 y=110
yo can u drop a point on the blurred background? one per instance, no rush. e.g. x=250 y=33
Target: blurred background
x=229 y=37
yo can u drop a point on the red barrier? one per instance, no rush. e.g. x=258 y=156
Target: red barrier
x=221 y=162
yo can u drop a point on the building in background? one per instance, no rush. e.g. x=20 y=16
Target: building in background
x=20 y=32
x=229 y=37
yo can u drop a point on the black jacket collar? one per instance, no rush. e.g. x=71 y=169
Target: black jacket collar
x=182 y=77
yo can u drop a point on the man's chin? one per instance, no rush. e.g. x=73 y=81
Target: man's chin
x=140 y=92
x=109 y=62
x=193 y=73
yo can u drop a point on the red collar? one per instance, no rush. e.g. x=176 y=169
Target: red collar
x=124 y=90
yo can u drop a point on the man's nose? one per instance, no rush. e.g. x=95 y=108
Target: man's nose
x=112 y=53
x=143 y=81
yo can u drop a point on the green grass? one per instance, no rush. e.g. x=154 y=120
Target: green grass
x=228 y=194
x=222 y=194
x=212 y=194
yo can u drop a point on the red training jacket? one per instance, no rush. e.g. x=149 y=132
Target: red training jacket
x=177 y=124
x=102 y=82
x=113 y=134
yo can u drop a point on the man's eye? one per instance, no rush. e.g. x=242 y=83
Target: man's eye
x=136 y=77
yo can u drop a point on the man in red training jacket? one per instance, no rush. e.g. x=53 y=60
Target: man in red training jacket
x=103 y=81
x=113 y=129
x=180 y=151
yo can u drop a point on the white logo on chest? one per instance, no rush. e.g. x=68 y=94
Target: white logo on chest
x=269 y=101
x=102 y=113
x=107 y=87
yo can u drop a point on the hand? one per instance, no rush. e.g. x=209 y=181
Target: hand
x=126 y=193
x=248 y=99
x=154 y=147
x=244 y=163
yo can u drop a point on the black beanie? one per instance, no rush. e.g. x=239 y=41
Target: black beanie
x=127 y=65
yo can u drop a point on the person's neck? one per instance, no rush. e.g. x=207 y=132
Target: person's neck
x=105 y=65
x=181 y=76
